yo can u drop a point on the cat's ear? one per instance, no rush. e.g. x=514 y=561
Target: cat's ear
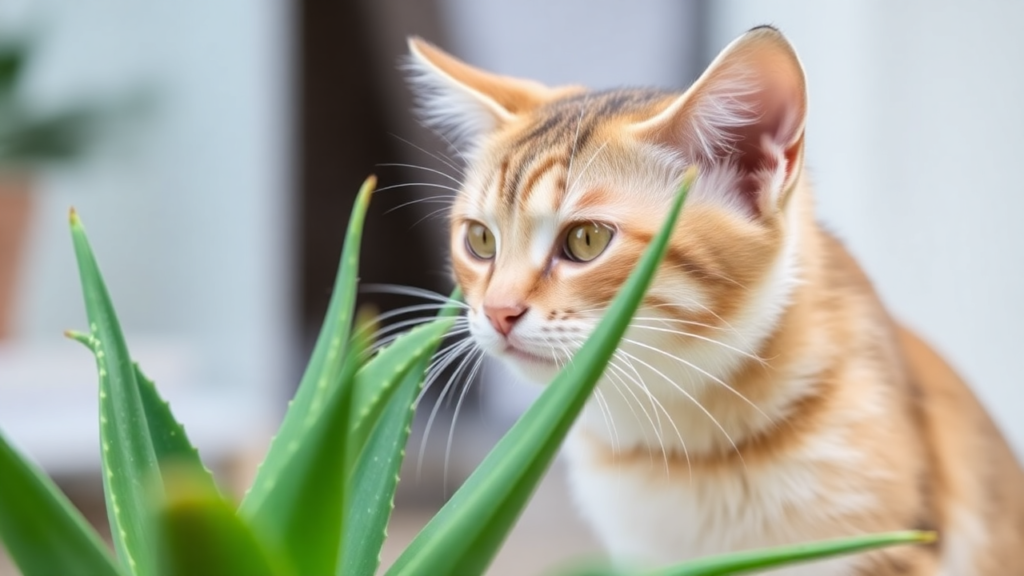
x=462 y=102
x=745 y=115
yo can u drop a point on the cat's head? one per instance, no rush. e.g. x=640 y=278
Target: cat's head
x=565 y=187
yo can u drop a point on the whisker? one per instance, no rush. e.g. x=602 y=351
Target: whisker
x=440 y=362
x=657 y=405
x=455 y=416
x=744 y=353
x=429 y=216
x=575 y=139
x=447 y=200
x=647 y=440
x=701 y=370
x=440 y=156
x=412 y=291
x=405 y=310
x=401 y=326
x=437 y=404
x=424 y=184
x=597 y=153
x=418 y=167
x=692 y=399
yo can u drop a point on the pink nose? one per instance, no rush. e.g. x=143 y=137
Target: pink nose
x=504 y=318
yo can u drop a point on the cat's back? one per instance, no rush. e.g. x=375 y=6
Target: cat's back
x=971 y=474
x=976 y=476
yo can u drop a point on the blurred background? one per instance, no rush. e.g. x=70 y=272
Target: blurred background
x=213 y=150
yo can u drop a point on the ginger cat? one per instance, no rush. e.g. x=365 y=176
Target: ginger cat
x=763 y=394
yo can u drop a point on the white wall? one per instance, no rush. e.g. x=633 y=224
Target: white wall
x=190 y=219
x=914 y=141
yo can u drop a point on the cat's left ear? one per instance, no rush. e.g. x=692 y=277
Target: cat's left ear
x=464 y=103
x=746 y=113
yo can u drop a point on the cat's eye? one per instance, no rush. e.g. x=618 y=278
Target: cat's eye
x=584 y=242
x=480 y=241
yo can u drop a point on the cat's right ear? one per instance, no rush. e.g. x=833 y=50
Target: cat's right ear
x=463 y=103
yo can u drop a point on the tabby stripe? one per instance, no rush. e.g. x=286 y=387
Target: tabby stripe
x=535 y=175
x=679 y=259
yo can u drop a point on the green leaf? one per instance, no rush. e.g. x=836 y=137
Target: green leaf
x=130 y=472
x=304 y=512
x=390 y=384
x=202 y=534
x=323 y=365
x=298 y=498
x=13 y=56
x=170 y=442
x=466 y=534
x=378 y=380
x=758 y=560
x=42 y=530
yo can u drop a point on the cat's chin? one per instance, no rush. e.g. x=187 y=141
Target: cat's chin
x=537 y=369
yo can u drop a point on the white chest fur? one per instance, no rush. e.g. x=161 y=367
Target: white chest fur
x=645 y=513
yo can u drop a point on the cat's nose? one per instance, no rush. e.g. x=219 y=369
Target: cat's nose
x=504 y=317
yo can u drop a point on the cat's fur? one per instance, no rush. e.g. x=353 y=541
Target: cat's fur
x=763 y=395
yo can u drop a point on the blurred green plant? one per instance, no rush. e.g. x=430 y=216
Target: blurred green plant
x=31 y=136
x=321 y=500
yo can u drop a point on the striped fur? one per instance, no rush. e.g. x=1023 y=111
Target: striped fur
x=763 y=395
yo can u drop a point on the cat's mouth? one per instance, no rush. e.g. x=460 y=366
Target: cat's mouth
x=528 y=356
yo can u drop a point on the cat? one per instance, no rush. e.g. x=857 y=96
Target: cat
x=763 y=395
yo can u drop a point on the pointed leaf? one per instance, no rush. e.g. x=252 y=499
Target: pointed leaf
x=387 y=422
x=303 y=512
x=43 y=532
x=323 y=366
x=170 y=442
x=378 y=380
x=129 y=461
x=202 y=534
x=466 y=534
x=759 y=560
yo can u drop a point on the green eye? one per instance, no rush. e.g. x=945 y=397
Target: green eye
x=584 y=242
x=480 y=241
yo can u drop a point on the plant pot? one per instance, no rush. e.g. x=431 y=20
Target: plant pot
x=15 y=209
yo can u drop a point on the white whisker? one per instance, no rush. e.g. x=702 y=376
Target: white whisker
x=418 y=167
x=683 y=391
x=701 y=370
x=440 y=156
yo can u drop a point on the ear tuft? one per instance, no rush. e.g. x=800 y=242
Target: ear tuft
x=746 y=113
x=443 y=104
x=464 y=103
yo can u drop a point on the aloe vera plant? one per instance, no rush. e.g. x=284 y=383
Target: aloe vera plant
x=322 y=498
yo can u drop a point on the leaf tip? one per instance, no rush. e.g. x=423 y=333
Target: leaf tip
x=78 y=337
x=690 y=175
x=369 y=185
x=73 y=218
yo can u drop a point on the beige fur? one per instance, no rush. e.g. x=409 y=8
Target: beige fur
x=763 y=394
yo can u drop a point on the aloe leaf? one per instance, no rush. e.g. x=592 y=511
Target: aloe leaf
x=387 y=421
x=130 y=469
x=377 y=381
x=202 y=534
x=303 y=512
x=170 y=442
x=328 y=354
x=466 y=533
x=42 y=530
x=758 y=560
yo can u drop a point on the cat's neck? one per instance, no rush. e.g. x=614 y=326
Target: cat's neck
x=705 y=399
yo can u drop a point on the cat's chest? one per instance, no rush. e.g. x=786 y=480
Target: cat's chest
x=643 y=511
